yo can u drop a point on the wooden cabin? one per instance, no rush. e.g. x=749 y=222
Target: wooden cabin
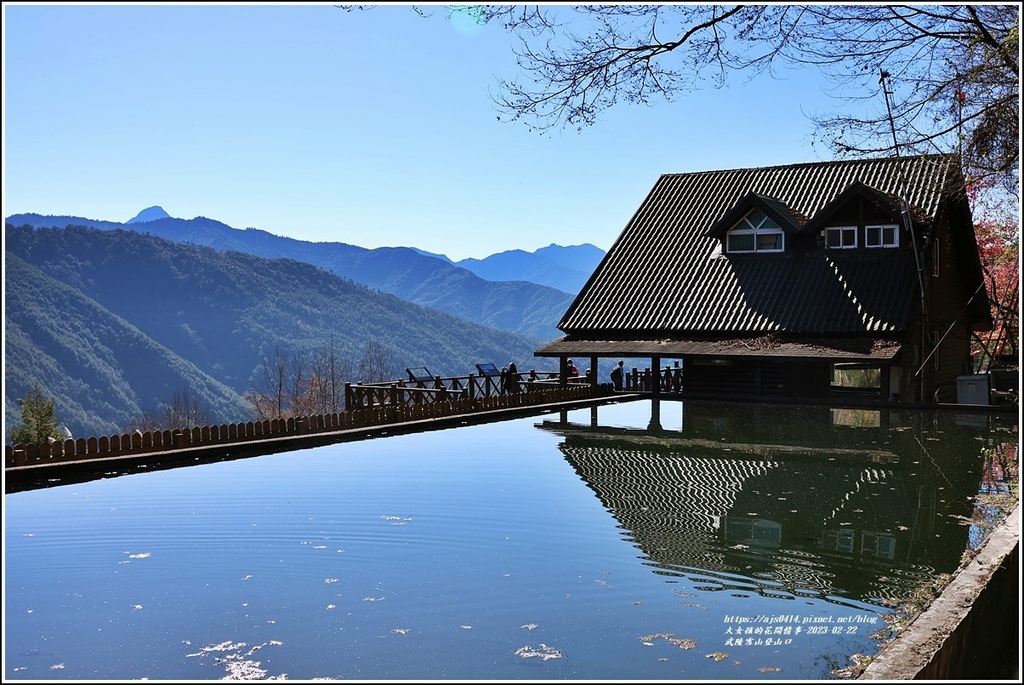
x=824 y=281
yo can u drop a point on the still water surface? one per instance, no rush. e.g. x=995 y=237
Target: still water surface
x=632 y=541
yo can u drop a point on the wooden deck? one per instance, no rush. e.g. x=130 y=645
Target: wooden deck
x=21 y=473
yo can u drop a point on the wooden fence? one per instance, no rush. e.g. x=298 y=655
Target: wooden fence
x=414 y=393
x=670 y=380
x=380 y=414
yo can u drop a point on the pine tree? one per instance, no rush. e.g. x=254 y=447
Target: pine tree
x=38 y=423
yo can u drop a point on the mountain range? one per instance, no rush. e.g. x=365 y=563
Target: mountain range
x=113 y=319
x=522 y=292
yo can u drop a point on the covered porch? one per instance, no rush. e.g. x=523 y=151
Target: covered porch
x=764 y=368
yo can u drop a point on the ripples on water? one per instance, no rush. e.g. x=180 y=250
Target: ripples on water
x=554 y=547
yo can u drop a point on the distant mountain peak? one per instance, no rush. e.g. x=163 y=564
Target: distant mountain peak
x=150 y=214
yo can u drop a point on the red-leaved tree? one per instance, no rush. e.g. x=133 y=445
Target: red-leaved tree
x=998 y=236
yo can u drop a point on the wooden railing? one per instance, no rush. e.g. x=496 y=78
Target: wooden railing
x=405 y=410
x=402 y=393
x=670 y=380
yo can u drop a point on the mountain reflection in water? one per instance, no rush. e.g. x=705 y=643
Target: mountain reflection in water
x=655 y=541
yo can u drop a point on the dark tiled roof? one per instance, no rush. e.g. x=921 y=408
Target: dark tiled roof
x=664 y=277
x=677 y=504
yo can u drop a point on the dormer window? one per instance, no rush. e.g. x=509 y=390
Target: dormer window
x=756 y=232
x=841 y=237
x=885 y=235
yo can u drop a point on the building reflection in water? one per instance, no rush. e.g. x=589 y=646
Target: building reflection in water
x=789 y=501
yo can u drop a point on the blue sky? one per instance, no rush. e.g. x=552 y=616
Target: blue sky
x=372 y=128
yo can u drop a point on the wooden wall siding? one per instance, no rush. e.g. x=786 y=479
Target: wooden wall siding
x=950 y=309
x=774 y=379
x=201 y=436
x=735 y=380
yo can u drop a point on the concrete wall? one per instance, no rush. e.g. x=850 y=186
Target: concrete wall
x=972 y=630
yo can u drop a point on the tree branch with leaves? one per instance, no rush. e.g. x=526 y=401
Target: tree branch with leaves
x=953 y=69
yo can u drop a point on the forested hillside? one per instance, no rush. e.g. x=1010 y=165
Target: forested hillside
x=110 y=322
x=101 y=370
x=514 y=295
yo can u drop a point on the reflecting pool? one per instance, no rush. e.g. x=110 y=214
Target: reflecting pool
x=631 y=541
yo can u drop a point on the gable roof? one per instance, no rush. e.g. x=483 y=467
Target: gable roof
x=777 y=211
x=665 y=275
x=889 y=204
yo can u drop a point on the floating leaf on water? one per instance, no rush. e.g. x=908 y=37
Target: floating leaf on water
x=397 y=520
x=684 y=643
x=236 y=663
x=543 y=651
x=655 y=636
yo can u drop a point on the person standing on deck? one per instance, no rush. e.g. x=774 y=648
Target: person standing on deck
x=512 y=382
x=616 y=376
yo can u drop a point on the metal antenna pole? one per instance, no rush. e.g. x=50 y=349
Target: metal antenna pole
x=904 y=205
x=909 y=223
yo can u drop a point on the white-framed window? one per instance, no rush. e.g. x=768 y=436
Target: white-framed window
x=838 y=539
x=880 y=545
x=756 y=232
x=753 y=530
x=841 y=237
x=882 y=235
